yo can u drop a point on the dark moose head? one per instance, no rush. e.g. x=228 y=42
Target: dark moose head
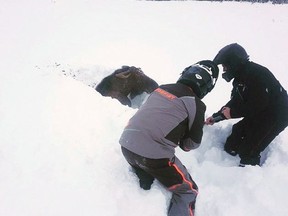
x=126 y=81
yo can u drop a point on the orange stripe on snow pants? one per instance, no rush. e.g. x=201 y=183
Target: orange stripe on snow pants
x=183 y=177
x=190 y=211
x=185 y=180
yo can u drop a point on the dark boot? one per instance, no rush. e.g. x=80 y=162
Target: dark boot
x=146 y=184
x=249 y=160
x=145 y=179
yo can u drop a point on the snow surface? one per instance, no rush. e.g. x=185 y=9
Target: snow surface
x=59 y=151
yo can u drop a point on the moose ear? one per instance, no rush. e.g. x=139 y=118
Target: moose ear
x=123 y=75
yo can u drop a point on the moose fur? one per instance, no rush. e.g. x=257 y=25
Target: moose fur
x=126 y=83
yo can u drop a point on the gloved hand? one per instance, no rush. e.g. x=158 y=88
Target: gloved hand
x=219 y=117
x=215 y=118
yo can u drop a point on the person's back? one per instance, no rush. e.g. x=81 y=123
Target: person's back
x=255 y=90
x=276 y=92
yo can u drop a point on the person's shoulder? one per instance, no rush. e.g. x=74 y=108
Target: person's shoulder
x=259 y=74
x=255 y=67
x=165 y=86
x=256 y=71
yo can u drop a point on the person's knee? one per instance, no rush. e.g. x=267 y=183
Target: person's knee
x=232 y=145
x=184 y=189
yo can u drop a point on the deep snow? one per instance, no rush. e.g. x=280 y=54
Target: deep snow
x=59 y=151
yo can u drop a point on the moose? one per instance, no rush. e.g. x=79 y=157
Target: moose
x=127 y=84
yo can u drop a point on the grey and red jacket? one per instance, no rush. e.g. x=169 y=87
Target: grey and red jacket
x=172 y=116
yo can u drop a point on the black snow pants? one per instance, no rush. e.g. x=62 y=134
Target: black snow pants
x=170 y=173
x=251 y=136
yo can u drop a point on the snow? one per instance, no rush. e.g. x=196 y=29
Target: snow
x=59 y=151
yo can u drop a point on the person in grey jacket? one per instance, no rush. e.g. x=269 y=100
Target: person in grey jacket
x=172 y=116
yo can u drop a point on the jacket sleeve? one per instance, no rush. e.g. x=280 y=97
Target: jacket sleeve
x=188 y=144
x=219 y=116
x=193 y=137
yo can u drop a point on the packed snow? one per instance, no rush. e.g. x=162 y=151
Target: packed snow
x=59 y=151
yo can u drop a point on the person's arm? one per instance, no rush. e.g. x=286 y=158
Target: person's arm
x=193 y=137
x=216 y=117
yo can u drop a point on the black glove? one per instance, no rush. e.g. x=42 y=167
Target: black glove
x=219 y=116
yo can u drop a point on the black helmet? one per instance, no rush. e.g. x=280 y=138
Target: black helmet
x=232 y=56
x=201 y=77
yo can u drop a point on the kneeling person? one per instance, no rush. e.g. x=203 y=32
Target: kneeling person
x=172 y=116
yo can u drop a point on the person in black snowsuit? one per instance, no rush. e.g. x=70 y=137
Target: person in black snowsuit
x=258 y=98
x=172 y=116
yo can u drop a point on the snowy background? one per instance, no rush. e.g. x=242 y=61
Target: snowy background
x=59 y=151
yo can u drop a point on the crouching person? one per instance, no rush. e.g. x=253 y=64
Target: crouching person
x=172 y=116
x=258 y=98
